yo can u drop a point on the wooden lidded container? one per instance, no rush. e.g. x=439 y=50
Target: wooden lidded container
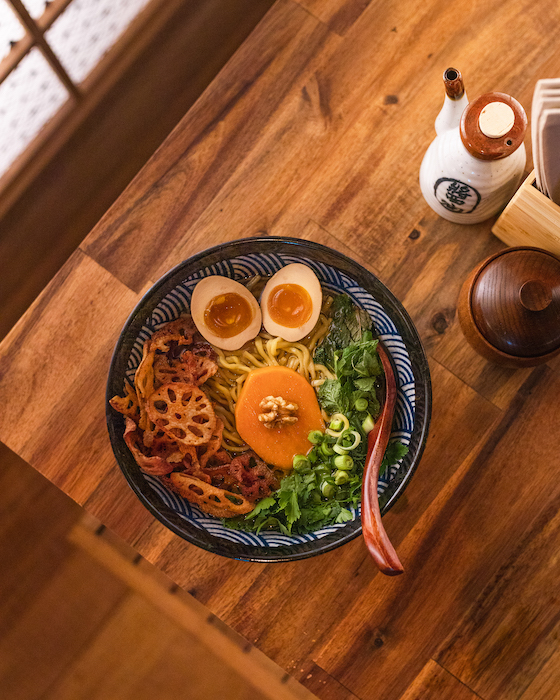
x=509 y=307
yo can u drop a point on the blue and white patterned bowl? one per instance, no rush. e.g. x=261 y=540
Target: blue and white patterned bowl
x=170 y=297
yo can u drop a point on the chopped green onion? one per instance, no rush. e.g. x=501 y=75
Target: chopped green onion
x=341 y=478
x=344 y=462
x=326 y=450
x=340 y=450
x=315 y=437
x=368 y=423
x=361 y=404
x=349 y=440
x=301 y=463
x=341 y=422
x=327 y=489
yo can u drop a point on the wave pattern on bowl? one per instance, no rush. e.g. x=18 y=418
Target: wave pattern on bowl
x=177 y=302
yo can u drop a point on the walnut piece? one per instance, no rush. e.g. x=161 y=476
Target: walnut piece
x=276 y=411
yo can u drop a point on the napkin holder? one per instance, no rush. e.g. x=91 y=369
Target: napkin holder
x=530 y=219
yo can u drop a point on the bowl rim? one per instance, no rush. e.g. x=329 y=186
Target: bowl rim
x=143 y=309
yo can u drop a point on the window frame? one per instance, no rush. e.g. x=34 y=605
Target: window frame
x=83 y=97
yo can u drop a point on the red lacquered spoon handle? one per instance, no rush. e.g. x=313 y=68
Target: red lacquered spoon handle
x=375 y=537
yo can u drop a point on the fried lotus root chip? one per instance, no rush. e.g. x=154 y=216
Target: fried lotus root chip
x=182 y=411
x=203 y=361
x=127 y=405
x=256 y=479
x=156 y=466
x=191 y=367
x=207 y=451
x=211 y=500
x=144 y=377
x=181 y=331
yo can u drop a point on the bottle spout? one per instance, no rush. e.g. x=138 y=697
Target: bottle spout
x=453 y=83
x=454 y=103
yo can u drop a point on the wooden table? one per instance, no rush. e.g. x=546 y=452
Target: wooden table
x=316 y=129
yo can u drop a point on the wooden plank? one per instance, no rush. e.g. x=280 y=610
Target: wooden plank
x=339 y=16
x=511 y=630
x=329 y=132
x=70 y=352
x=546 y=683
x=31 y=537
x=139 y=654
x=129 y=644
x=435 y=683
x=318 y=681
x=37 y=648
x=464 y=537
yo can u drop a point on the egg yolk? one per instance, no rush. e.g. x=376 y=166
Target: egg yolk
x=290 y=305
x=227 y=315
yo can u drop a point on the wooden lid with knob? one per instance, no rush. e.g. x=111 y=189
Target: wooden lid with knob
x=509 y=307
x=493 y=126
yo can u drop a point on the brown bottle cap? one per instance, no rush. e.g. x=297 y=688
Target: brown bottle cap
x=493 y=126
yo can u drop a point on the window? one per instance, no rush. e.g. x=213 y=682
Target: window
x=49 y=55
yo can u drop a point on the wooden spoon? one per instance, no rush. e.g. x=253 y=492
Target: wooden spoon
x=375 y=537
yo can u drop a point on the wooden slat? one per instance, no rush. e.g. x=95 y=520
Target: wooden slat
x=435 y=683
x=51 y=12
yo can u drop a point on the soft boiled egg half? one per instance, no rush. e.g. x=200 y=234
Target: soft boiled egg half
x=291 y=302
x=225 y=312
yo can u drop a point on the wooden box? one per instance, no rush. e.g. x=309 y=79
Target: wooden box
x=530 y=219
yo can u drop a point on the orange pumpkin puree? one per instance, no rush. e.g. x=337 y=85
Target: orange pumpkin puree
x=278 y=445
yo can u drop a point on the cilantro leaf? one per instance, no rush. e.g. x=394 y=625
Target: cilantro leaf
x=394 y=453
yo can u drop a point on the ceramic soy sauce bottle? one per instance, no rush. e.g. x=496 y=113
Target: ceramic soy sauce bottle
x=476 y=162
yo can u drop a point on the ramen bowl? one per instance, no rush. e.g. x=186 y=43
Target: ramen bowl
x=240 y=260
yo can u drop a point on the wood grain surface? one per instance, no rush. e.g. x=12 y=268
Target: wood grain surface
x=316 y=129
